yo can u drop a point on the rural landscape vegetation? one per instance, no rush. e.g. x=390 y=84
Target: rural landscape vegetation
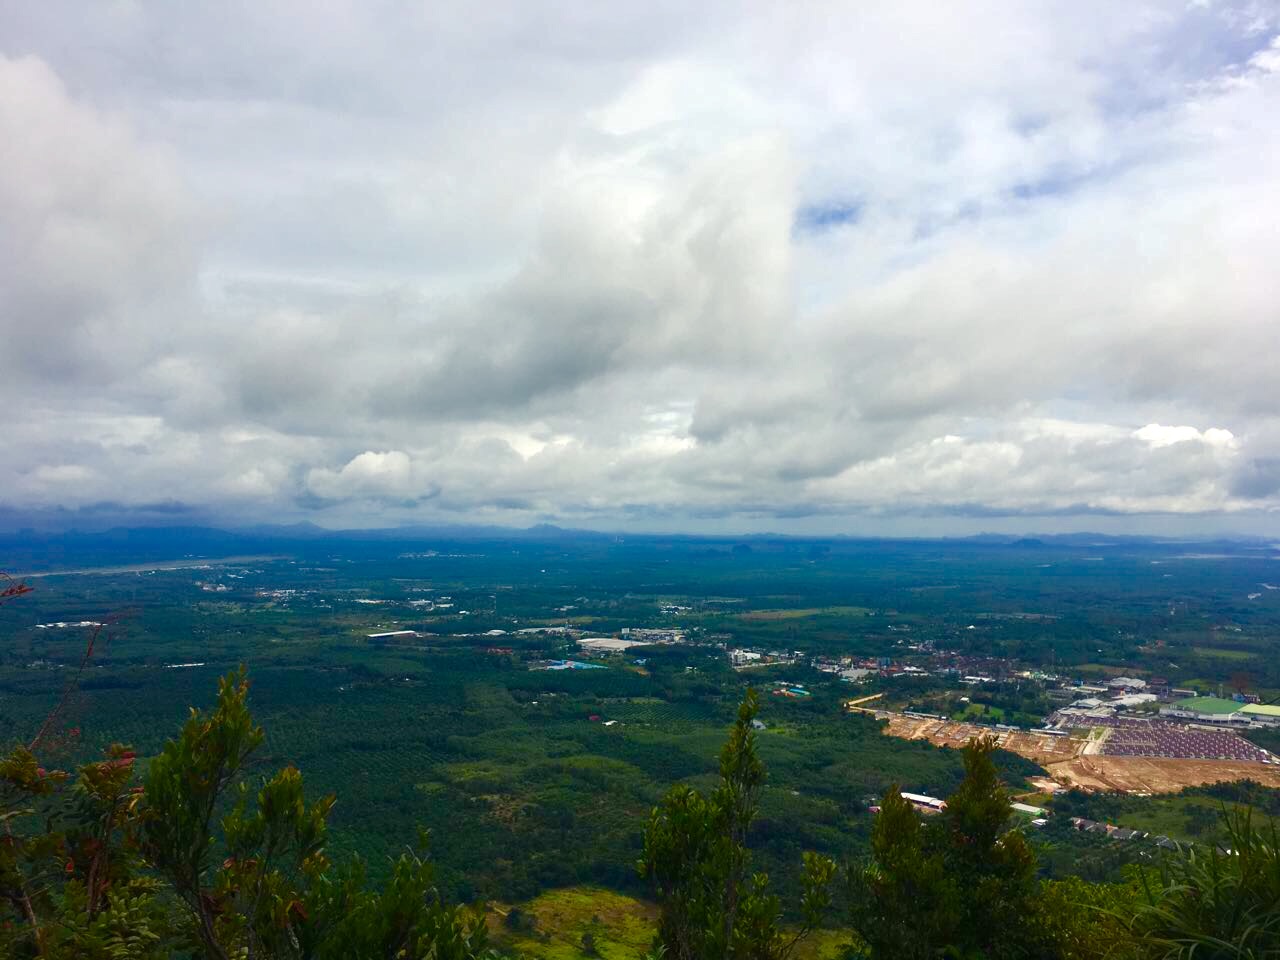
x=566 y=745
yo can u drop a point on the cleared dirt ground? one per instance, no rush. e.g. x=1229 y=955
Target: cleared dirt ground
x=1040 y=747
x=1152 y=775
x=1072 y=762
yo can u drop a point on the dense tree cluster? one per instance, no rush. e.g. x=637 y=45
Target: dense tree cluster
x=191 y=862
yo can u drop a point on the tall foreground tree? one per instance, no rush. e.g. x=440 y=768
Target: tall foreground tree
x=713 y=907
x=960 y=884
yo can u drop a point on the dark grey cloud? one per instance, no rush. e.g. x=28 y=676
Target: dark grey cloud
x=642 y=265
x=1258 y=479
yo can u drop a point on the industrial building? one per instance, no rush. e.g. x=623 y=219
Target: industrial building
x=1262 y=714
x=607 y=644
x=924 y=803
x=391 y=635
x=1211 y=710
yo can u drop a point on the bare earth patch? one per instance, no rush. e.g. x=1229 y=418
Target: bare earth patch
x=1073 y=761
x=1040 y=747
x=1156 y=775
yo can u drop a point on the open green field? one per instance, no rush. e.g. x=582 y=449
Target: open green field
x=553 y=925
x=803 y=613
x=556 y=924
x=1223 y=653
x=981 y=713
x=1196 y=815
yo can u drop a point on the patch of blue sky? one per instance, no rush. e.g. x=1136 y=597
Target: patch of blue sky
x=1065 y=182
x=821 y=217
x=929 y=226
x=1199 y=48
x=1050 y=186
x=1207 y=43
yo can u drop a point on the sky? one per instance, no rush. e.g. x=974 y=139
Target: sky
x=862 y=267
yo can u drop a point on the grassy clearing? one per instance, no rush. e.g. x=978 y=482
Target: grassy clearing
x=803 y=612
x=621 y=927
x=1171 y=819
x=981 y=712
x=1222 y=653
x=1103 y=668
x=1035 y=799
x=823 y=945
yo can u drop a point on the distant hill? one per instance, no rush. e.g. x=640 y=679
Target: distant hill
x=33 y=549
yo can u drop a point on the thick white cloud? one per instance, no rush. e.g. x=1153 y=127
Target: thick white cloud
x=96 y=228
x=370 y=474
x=1161 y=436
x=657 y=266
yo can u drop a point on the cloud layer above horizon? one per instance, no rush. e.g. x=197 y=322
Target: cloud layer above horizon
x=818 y=266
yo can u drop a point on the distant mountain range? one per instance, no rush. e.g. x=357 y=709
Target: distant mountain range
x=31 y=549
x=175 y=523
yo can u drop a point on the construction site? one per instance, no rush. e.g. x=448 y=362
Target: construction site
x=1079 y=757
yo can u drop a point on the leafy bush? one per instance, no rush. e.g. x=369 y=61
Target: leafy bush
x=1219 y=904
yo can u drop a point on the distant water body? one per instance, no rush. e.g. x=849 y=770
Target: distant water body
x=157 y=567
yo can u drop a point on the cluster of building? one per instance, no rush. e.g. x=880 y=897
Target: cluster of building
x=607 y=644
x=963 y=669
x=651 y=635
x=564 y=665
x=927 y=804
x=279 y=594
x=859 y=669
x=630 y=637
x=1120 y=833
x=1116 y=693
x=741 y=657
x=1125 y=693
x=790 y=690
x=988 y=669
